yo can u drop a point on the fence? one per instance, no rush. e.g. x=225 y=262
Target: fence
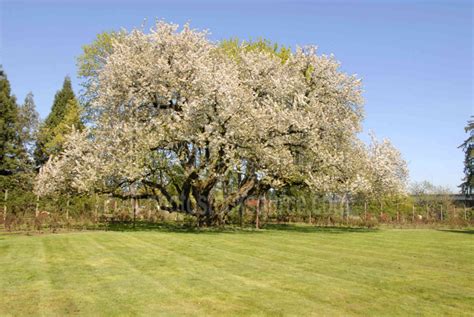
x=26 y=212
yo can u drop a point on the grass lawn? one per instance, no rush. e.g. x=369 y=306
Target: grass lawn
x=293 y=270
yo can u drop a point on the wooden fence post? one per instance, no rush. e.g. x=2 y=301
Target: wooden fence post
x=241 y=213
x=137 y=209
x=348 y=207
x=134 y=209
x=5 y=208
x=96 y=212
x=257 y=212
x=441 y=212
x=413 y=213
x=37 y=206
x=67 y=208
x=398 y=213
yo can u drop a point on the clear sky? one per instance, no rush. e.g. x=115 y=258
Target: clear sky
x=415 y=57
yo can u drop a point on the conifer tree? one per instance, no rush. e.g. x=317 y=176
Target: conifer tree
x=467 y=187
x=11 y=151
x=52 y=132
x=28 y=123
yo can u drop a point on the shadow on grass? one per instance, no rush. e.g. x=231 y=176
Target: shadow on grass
x=177 y=228
x=465 y=231
x=188 y=228
x=312 y=229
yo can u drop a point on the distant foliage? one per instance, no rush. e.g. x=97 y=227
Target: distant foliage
x=234 y=48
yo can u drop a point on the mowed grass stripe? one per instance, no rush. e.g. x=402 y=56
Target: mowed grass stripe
x=430 y=258
x=403 y=280
x=430 y=240
x=217 y=278
x=150 y=263
x=406 y=251
x=289 y=248
x=203 y=247
x=21 y=276
x=271 y=272
x=251 y=267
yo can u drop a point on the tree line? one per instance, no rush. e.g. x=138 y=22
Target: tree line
x=26 y=142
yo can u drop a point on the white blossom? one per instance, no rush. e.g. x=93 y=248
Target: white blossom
x=176 y=115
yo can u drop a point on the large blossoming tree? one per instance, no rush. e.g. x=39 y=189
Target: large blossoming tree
x=175 y=117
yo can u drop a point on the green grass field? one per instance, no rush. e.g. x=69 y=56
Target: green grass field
x=293 y=270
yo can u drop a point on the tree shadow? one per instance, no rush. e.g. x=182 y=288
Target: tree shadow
x=316 y=229
x=465 y=231
x=175 y=227
x=229 y=229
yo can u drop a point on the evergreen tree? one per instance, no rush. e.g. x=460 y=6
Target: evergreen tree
x=467 y=187
x=70 y=121
x=28 y=123
x=12 y=155
x=52 y=132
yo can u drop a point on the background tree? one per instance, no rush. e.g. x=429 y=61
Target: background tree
x=28 y=123
x=70 y=122
x=90 y=63
x=65 y=112
x=467 y=187
x=12 y=154
x=14 y=165
x=388 y=172
x=430 y=198
x=234 y=47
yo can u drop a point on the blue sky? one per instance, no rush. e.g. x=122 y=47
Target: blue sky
x=415 y=57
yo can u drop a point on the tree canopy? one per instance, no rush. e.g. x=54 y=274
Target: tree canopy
x=175 y=115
